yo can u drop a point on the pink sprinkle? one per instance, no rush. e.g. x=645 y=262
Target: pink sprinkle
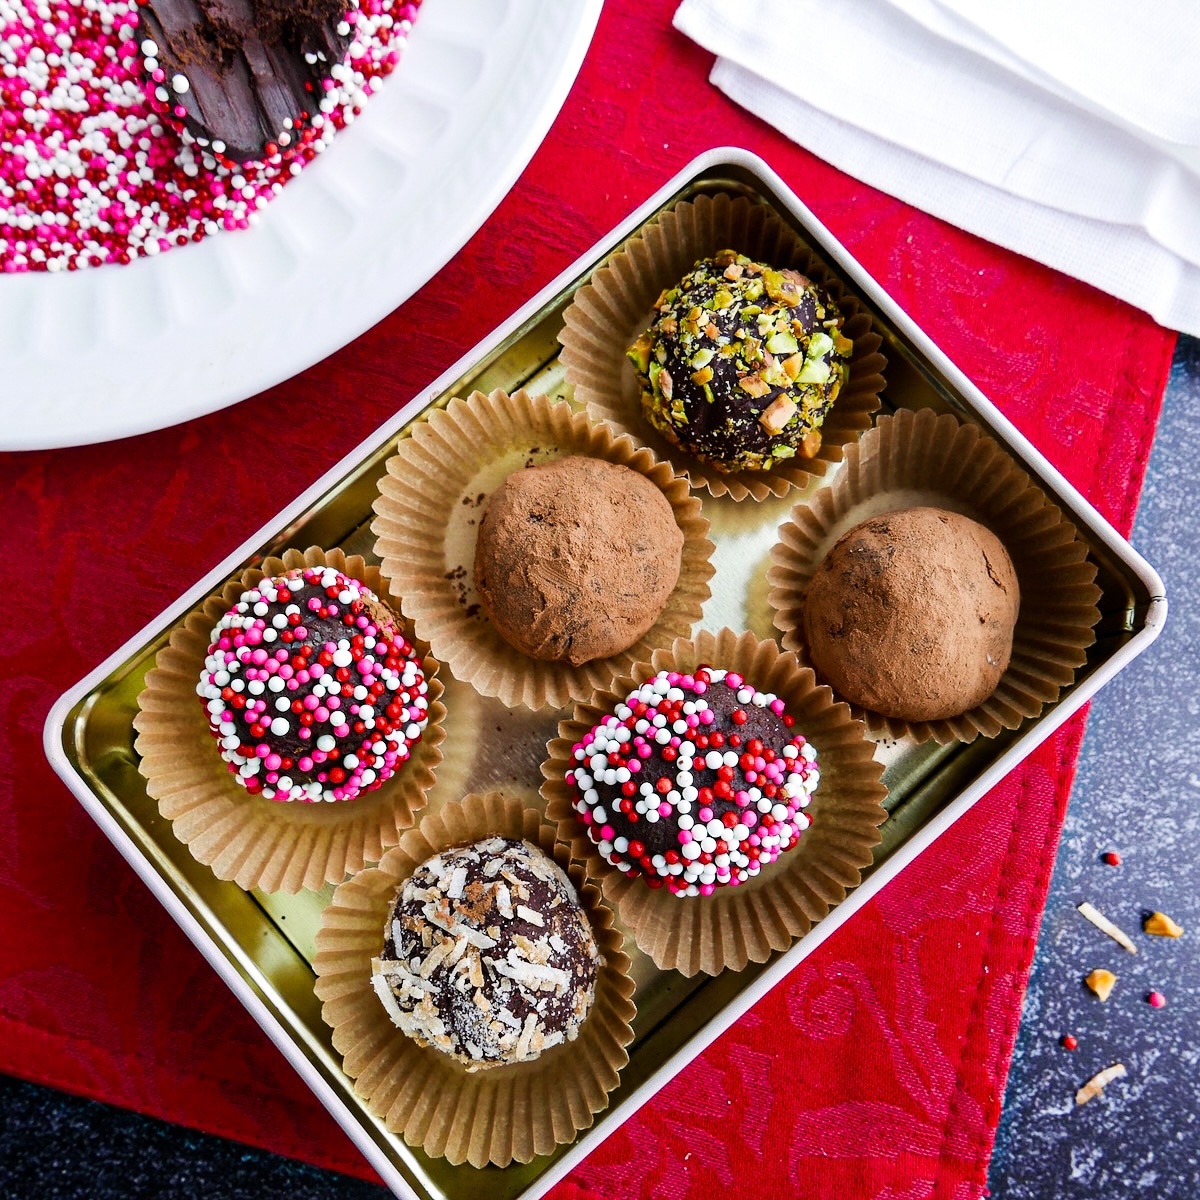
x=1156 y=999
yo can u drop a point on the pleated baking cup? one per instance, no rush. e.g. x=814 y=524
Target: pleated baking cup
x=500 y=1115
x=272 y=845
x=737 y=925
x=616 y=307
x=918 y=458
x=428 y=511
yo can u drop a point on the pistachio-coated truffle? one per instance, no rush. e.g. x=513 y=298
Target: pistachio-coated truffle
x=742 y=363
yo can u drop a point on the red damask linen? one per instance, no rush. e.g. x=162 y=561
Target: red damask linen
x=877 y=1069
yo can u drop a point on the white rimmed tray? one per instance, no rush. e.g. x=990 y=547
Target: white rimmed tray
x=266 y=960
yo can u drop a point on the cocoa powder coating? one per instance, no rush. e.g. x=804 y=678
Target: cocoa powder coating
x=576 y=559
x=911 y=614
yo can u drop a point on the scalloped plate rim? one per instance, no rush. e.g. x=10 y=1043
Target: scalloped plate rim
x=521 y=106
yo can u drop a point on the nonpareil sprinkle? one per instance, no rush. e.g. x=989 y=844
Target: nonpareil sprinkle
x=90 y=174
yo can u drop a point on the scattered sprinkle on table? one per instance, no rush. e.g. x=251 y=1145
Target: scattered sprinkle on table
x=1112 y=858
x=1156 y=1000
x=1068 y=1042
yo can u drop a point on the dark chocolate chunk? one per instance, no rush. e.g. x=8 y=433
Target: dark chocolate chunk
x=249 y=74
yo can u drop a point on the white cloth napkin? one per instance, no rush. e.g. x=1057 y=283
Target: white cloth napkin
x=949 y=105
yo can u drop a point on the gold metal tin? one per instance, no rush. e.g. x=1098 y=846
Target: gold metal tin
x=263 y=945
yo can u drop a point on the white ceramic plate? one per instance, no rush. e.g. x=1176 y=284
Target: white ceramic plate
x=94 y=355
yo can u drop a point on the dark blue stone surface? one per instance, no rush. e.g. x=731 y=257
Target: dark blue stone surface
x=1137 y=792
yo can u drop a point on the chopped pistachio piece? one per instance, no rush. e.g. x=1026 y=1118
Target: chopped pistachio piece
x=1161 y=925
x=1101 y=982
x=777 y=414
x=814 y=371
x=754 y=386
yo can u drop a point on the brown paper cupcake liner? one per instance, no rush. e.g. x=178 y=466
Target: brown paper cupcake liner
x=739 y=925
x=609 y=313
x=505 y=1114
x=919 y=458
x=427 y=520
x=271 y=845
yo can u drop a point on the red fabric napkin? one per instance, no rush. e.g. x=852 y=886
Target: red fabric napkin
x=877 y=1069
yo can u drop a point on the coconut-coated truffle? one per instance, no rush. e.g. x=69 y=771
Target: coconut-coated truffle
x=487 y=955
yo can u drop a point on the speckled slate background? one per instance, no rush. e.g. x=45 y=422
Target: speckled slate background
x=1137 y=792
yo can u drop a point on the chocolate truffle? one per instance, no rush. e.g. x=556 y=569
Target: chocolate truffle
x=911 y=614
x=694 y=781
x=242 y=78
x=310 y=688
x=487 y=955
x=742 y=363
x=576 y=559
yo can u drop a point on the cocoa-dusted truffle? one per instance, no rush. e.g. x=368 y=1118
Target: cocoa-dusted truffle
x=243 y=79
x=911 y=614
x=487 y=955
x=742 y=363
x=576 y=559
x=694 y=781
x=310 y=688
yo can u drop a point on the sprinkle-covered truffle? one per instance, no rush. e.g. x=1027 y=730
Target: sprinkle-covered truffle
x=311 y=690
x=694 y=781
x=487 y=955
x=742 y=363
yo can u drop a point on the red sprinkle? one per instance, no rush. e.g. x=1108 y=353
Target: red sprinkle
x=1068 y=1042
x=1156 y=999
x=1112 y=858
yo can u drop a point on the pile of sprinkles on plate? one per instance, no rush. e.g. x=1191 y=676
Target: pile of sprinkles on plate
x=94 y=171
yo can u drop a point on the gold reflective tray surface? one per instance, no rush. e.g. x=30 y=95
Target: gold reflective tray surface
x=266 y=941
